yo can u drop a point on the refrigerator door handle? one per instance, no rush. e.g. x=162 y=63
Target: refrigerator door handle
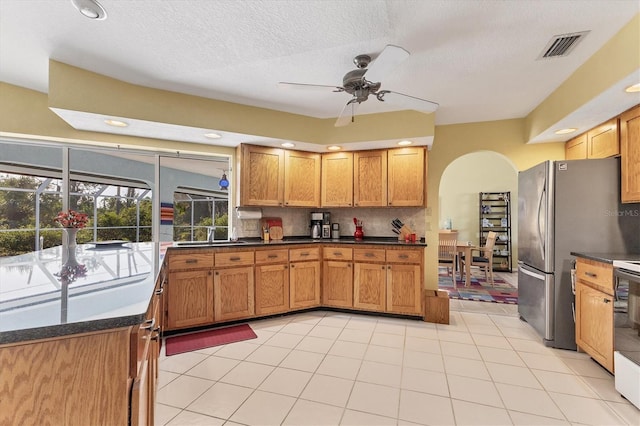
x=541 y=246
x=531 y=274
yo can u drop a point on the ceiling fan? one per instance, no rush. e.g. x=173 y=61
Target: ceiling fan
x=366 y=79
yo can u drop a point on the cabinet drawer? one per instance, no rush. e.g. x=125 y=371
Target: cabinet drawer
x=368 y=255
x=191 y=261
x=309 y=253
x=234 y=258
x=597 y=273
x=404 y=256
x=337 y=253
x=272 y=256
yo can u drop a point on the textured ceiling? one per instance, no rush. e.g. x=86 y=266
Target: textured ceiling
x=477 y=59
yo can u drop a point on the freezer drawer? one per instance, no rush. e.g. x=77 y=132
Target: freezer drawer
x=536 y=300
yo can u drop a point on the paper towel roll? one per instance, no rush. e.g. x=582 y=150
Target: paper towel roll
x=247 y=213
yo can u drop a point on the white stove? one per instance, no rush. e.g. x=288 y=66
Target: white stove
x=629 y=265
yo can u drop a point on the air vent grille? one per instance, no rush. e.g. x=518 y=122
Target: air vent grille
x=562 y=45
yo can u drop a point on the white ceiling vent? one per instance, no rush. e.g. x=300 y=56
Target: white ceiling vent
x=562 y=45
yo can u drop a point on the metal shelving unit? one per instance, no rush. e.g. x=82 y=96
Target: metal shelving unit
x=495 y=215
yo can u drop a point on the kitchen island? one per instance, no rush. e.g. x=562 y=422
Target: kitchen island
x=80 y=348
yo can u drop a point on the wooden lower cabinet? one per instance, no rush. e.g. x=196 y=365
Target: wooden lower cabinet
x=404 y=289
x=369 y=286
x=304 y=284
x=594 y=324
x=272 y=289
x=337 y=284
x=233 y=293
x=189 y=299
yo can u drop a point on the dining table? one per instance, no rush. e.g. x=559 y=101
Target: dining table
x=466 y=250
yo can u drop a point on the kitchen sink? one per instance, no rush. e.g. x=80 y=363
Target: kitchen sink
x=207 y=243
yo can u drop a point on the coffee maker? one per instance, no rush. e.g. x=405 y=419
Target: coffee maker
x=316 y=224
x=326 y=225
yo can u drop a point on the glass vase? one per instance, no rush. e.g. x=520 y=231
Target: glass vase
x=69 y=246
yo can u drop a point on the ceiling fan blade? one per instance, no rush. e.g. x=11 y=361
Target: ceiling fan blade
x=348 y=112
x=390 y=57
x=408 y=101
x=287 y=85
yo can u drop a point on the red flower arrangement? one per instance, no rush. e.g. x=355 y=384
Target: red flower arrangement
x=72 y=219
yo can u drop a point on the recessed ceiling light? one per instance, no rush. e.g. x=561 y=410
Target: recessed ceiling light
x=404 y=143
x=633 y=89
x=116 y=123
x=287 y=145
x=91 y=9
x=212 y=135
x=334 y=148
x=565 y=131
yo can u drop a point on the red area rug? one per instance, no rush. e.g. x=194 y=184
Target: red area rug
x=479 y=289
x=209 y=338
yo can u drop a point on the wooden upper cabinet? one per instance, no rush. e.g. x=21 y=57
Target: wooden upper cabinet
x=603 y=141
x=337 y=179
x=630 y=155
x=576 y=148
x=261 y=176
x=301 y=179
x=407 y=177
x=370 y=179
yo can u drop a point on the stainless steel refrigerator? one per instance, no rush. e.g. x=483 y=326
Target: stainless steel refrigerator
x=566 y=206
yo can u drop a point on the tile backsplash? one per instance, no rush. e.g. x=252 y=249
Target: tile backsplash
x=376 y=221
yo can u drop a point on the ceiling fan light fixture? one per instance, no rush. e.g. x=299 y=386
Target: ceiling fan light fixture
x=91 y=9
x=565 y=131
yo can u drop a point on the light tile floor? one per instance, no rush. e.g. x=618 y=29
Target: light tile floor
x=325 y=368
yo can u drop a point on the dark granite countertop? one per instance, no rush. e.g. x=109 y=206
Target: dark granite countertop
x=257 y=242
x=606 y=257
x=114 y=292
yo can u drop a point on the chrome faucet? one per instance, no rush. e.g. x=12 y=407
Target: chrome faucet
x=210 y=233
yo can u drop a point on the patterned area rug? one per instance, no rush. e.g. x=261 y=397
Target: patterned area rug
x=479 y=289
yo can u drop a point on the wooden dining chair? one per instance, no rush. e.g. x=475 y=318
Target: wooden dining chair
x=447 y=253
x=484 y=260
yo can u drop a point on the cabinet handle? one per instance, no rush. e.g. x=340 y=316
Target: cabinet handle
x=155 y=336
x=160 y=291
x=403 y=256
x=389 y=267
x=234 y=259
x=606 y=300
x=286 y=267
x=217 y=273
x=190 y=261
x=337 y=253
x=304 y=254
x=272 y=256
x=148 y=324
x=591 y=274
x=383 y=266
x=348 y=265
x=369 y=255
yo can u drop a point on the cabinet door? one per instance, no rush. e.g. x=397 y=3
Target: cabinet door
x=370 y=179
x=301 y=179
x=233 y=293
x=603 y=140
x=189 y=299
x=630 y=155
x=576 y=148
x=261 y=176
x=272 y=289
x=369 y=286
x=594 y=324
x=304 y=283
x=404 y=289
x=337 y=280
x=406 y=177
x=337 y=179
